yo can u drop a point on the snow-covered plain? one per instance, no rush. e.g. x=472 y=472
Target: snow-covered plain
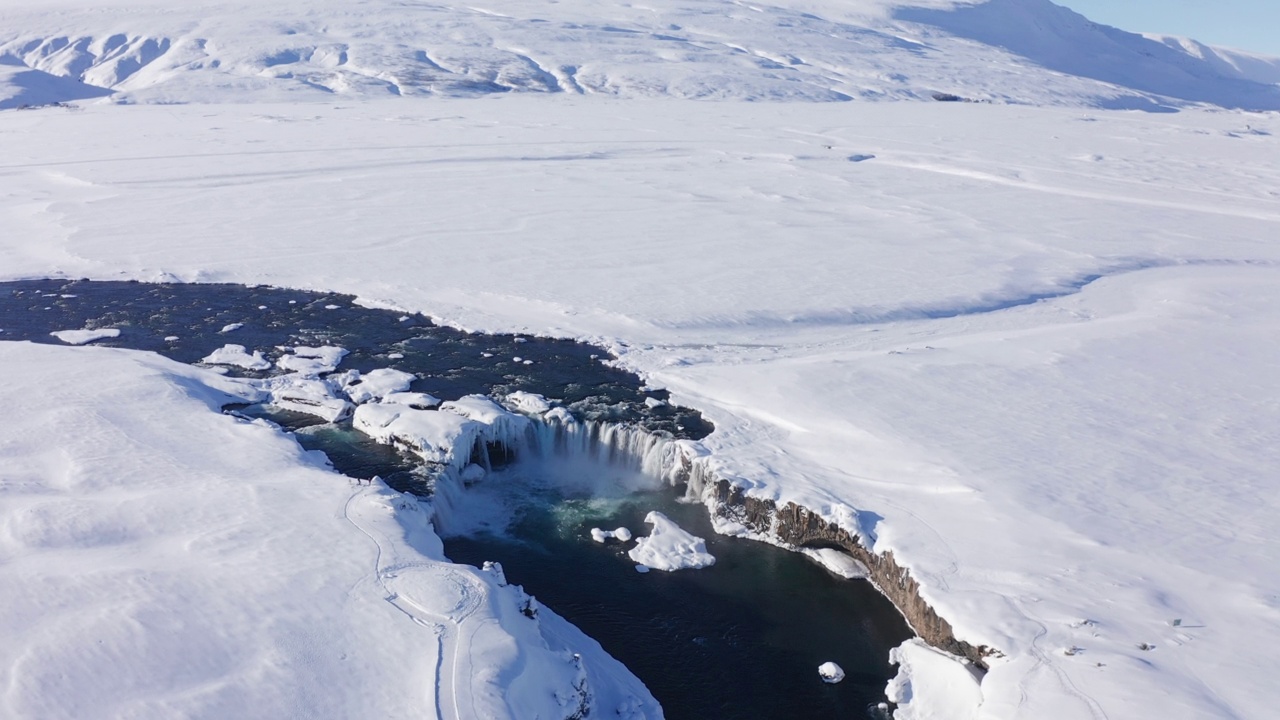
x=1032 y=347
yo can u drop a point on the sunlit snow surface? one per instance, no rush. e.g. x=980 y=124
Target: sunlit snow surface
x=1033 y=351
x=161 y=559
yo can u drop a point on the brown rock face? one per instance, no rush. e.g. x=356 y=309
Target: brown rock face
x=799 y=527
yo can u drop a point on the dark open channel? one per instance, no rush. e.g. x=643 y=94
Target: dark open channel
x=741 y=639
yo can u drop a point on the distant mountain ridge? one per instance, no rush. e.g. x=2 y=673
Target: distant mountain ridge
x=1010 y=51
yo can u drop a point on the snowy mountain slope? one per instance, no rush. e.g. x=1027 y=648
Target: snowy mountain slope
x=1063 y=41
x=21 y=87
x=1028 y=52
x=1228 y=62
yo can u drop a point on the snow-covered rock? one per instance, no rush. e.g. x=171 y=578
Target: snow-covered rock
x=499 y=424
x=529 y=403
x=377 y=384
x=415 y=400
x=620 y=534
x=237 y=356
x=669 y=547
x=311 y=361
x=438 y=437
x=309 y=395
x=830 y=672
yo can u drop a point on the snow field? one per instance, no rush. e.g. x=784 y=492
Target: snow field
x=1030 y=350
x=883 y=361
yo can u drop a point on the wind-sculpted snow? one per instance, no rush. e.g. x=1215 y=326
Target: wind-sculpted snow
x=1031 y=51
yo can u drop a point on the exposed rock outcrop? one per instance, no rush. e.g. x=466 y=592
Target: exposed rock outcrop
x=799 y=527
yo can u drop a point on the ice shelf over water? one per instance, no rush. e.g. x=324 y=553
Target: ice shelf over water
x=84 y=337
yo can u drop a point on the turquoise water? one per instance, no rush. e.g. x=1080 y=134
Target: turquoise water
x=740 y=639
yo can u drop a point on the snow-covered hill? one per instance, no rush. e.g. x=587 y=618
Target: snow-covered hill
x=1017 y=51
x=1030 y=350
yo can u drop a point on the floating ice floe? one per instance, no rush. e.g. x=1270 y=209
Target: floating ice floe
x=82 y=337
x=831 y=672
x=237 y=355
x=669 y=547
x=231 y=328
x=311 y=360
x=620 y=534
x=377 y=384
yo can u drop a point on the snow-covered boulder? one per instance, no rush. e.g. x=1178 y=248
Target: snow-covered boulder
x=528 y=403
x=377 y=384
x=500 y=425
x=439 y=437
x=415 y=400
x=238 y=356
x=307 y=395
x=620 y=534
x=311 y=360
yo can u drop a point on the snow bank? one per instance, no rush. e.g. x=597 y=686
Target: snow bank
x=237 y=356
x=670 y=548
x=837 y=562
x=932 y=685
x=83 y=337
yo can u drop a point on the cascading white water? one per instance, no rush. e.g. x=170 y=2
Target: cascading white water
x=603 y=459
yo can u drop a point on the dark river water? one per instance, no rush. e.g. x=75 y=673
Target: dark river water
x=740 y=639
